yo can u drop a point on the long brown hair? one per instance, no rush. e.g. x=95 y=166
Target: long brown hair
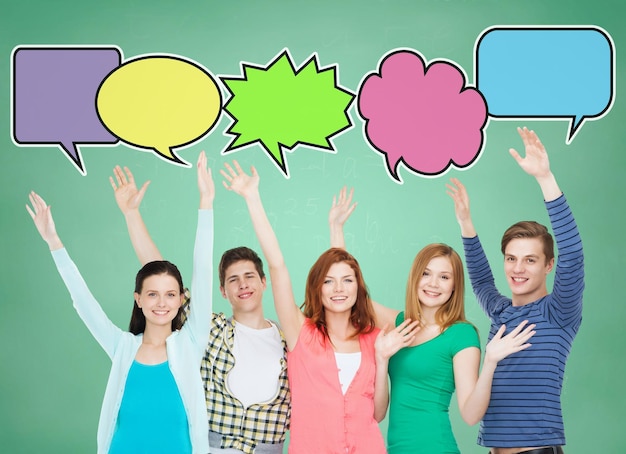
x=454 y=309
x=362 y=315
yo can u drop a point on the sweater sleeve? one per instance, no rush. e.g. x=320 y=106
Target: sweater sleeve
x=198 y=321
x=481 y=278
x=88 y=309
x=566 y=301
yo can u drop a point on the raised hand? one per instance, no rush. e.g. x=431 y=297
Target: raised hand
x=342 y=207
x=206 y=186
x=240 y=182
x=388 y=343
x=535 y=162
x=500 y=347
x=127 y=196
x=42 y=217
x=459 y=195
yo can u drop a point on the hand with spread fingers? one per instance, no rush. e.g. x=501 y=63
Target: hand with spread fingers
x=42 y=217
x=499 y=347
x=240 y=182
x=388 y=343
x=127 y=196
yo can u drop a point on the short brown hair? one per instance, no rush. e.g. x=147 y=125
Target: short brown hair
x=530 y=229
x=362 y=315
x=239 y=254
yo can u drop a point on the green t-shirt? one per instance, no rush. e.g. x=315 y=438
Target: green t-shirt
x=422 y=383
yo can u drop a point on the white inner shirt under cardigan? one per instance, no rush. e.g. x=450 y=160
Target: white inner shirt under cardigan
x=347 y=365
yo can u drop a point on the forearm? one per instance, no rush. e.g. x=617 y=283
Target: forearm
x=337 y=238
x=54 y=243
x=140 y=238
x=475 y=405
x=549 y=187
x=289 y=315
x=206 y=201
x=264 y=231
x=467 y=228
x=381 y=389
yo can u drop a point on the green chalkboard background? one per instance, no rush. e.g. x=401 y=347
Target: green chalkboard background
x=53 y=373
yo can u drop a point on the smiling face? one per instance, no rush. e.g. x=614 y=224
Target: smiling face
x=339 y=289
x=243 y=287
x=526 y=269
x=160 y=299
x=437 y=283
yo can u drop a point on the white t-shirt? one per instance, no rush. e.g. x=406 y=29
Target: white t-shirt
x=254 y=377
x=258 y=354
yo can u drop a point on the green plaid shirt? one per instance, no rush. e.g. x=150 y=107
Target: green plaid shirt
x=241 y=428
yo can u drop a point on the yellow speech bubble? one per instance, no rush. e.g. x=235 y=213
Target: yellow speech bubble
x=159 y=102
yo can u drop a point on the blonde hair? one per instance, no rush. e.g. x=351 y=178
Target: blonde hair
x=454 y=309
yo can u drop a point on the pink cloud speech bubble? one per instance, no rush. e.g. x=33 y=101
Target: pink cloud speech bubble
x=423 y=116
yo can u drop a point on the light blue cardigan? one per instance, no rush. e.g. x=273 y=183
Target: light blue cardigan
x=185 y=348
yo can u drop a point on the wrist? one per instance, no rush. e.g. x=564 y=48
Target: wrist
x=54 y=243
x=252 y=197
x=206 y=202
x=381 y=359
x=131 y=212
x=545 y=178
x=549 y=187
x=490 y=362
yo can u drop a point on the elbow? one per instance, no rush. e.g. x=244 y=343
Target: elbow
x=471 y=418
x=380 y=410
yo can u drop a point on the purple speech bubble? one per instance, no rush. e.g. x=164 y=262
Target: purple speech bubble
x=422 y=115
x=54 y=93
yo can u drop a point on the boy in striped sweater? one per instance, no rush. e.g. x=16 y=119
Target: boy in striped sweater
x=524 y=414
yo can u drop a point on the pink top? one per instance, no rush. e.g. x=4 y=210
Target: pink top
x=323 y=419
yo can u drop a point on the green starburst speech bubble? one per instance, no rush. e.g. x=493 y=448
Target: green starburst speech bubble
x=280 y=107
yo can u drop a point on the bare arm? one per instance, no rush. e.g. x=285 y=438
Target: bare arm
x=339 y=213
x=387 y=344
x=474 y=390
x=458 y=193
x=41 y=215
x=206 y=187
x=128 y=199
x=537 y=164
x=534 y=163
x=385 y=316
x=247 y=186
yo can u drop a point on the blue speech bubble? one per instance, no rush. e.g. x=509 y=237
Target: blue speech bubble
x=546 y=72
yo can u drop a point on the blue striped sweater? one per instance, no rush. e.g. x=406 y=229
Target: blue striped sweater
x=525 y=405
